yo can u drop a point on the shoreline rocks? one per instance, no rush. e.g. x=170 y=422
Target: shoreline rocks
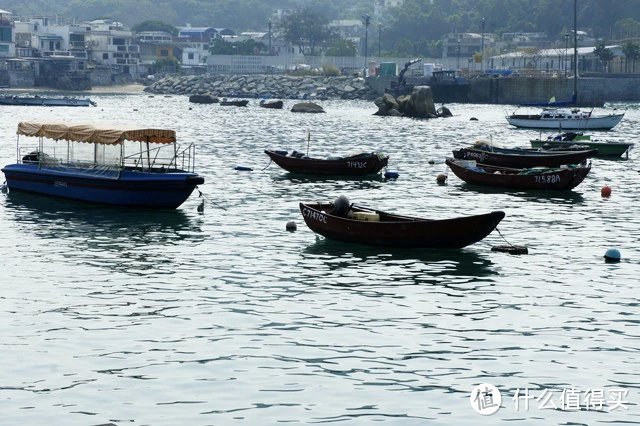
x=419 y=104
x=265 y=86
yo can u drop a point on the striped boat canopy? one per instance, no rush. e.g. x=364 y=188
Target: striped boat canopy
x=91 y=134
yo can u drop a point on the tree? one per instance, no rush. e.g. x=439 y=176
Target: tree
x=306 y=29
x=341 y=47
x=155 y=26
x=605 y=55
x=532 y=56
x=631 y=52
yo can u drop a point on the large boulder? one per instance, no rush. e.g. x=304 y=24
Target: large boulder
x=422 y=99
x=203 y=99
x=418 y=104
x=307 y=107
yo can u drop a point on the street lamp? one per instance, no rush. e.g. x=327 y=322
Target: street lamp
x=379 y=39
x=482 y=48
x=269 y=37
x=458 y=54
x=566 y=46
x=366 y=20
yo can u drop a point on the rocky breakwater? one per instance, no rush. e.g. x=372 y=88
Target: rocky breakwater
x=419 y=104
x=265 y=86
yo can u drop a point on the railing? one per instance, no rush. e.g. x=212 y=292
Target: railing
x=150 y=159
x=158 y=159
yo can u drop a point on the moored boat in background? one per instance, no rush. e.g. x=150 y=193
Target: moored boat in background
x=45 y=101
x=521 y=158
x=353 y=165
x=578 y=141
x=565 y=119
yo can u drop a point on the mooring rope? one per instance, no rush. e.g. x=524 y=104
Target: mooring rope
x=264 y=168
x=201 y=206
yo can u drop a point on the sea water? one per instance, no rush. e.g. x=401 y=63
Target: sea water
x=223 y=317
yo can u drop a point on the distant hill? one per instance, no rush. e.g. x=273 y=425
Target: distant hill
x=415 y=28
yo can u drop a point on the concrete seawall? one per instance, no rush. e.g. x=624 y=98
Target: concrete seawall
x=519 y=90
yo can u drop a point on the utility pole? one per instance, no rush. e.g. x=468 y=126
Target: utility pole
x=482 y=48
x=566 y=46
x=269 y=37
x=366 y=20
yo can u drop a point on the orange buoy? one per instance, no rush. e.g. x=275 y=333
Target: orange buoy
x=605 y=191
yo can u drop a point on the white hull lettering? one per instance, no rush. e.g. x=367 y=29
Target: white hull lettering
x=547 y=179
x=319 y=217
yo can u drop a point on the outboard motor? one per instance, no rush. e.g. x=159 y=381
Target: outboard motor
x=341 y=206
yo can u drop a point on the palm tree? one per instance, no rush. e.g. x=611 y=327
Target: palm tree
x=605 y=55
x=631 y=52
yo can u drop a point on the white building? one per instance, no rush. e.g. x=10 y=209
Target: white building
x=112 y=44
x=552 y=60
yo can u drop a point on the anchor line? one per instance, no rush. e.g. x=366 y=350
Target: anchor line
x=268 y=164
x=505 y=240
x=201 y=195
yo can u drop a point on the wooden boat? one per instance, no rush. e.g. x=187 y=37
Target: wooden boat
x=573 y=119
x=566 y=177
x=137 y=167
x=521 y=158
x=238 y=103
x=45 y=101
x=373 y=227
x=271 y=104
x=353 y=165
x=577 y=141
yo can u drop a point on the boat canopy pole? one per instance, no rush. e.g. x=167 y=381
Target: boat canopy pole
x=148 y=153
x=575 y=52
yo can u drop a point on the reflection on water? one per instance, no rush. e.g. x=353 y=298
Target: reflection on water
x=569 y=196
x=89 y=231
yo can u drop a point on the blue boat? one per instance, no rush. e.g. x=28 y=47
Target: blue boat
x=136 y=167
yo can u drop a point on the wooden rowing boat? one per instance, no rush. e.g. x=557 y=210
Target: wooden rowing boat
x=374 y=227
x=513 y=178
x=521 y=158
x=353 y=165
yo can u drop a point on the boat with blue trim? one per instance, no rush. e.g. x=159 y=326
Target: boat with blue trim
x=127 y=167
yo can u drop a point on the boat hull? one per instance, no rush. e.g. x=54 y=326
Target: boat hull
x=593 y=123
x=126 y=189
x=400 y=231
x=359 y=165
x=522 y=158
x=38 y=101
x=603 y=149
x=551 y=179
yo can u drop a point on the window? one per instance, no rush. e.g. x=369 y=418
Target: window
x=105 y=56
x=164 y=53
x=190 y=55
x=5 y=34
